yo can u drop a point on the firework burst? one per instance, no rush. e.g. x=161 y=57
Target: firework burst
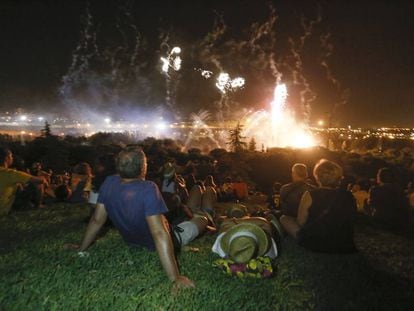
x=172 y=60
x=225 y=84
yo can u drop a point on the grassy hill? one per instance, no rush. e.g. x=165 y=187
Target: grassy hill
x=37 y=273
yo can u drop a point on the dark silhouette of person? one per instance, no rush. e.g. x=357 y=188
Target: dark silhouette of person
x=326 y=214
x=387 y=201
x=290 y=194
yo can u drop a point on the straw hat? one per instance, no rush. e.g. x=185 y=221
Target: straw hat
x=244 y=242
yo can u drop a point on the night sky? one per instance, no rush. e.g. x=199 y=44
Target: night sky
x=373 y=52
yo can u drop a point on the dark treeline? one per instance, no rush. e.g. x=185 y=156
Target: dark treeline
x=259 y=169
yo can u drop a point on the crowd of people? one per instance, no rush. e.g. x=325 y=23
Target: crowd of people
x=35 y=187
x=170 y=211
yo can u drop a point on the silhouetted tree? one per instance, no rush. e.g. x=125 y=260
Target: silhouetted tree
x=236 y=139
x=46 y=132
x=252 y=144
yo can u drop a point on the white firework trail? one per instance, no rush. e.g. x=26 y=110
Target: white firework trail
x=328 y=47
x=274 y=68
x=85 y=50
x=207 y=46
x=266 y=29
x=308 y=26
x=343 y=94
x=279 y=102
x=307 y=95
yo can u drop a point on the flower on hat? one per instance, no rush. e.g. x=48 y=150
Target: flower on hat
x=260 y=267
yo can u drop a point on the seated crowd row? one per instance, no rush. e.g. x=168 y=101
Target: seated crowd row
x=319 y=216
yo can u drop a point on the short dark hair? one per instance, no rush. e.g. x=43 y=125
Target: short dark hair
x=4 y=152
x=130 y=162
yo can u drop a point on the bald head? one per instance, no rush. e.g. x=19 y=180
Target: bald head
x=299 y=172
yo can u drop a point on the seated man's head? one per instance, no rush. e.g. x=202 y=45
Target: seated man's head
x=6 y=156
x=327 y=173
x=131 y=163
x=299 y=172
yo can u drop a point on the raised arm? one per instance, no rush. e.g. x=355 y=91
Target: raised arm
x=98 y=219
x=158 y=226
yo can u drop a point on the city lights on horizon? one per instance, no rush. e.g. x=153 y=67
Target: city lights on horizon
x=286 y=133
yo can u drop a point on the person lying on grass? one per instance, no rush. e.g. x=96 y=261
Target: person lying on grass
x=136 y=208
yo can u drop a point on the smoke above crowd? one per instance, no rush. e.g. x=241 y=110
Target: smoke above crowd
x=121 y=71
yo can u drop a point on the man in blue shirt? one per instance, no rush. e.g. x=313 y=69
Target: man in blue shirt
x=136 y=208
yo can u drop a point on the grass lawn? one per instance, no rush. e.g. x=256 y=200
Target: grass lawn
x=37 y=273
